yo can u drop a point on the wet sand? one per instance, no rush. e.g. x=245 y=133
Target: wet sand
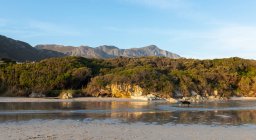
x=109 y=130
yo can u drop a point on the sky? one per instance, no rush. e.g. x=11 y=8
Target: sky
x=202 y=29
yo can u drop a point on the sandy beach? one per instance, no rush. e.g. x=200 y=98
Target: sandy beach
x=109 y=130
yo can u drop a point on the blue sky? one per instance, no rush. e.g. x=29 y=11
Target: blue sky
x=191 y=28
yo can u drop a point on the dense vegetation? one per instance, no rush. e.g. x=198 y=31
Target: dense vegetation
x=48 y=75
x=164 y=76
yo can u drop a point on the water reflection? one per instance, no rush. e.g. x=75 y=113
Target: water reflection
x=215 y=113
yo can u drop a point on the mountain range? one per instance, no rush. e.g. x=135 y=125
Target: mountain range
x=22 y=51
x=108 y=51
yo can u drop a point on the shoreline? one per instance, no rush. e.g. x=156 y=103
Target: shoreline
x=97 y=130
x=99 y=99
x=242 y=98
x=79 y=99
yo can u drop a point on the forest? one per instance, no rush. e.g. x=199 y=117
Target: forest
x=163 y=76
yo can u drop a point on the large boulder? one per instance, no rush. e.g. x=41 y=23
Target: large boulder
x=66 y=95
x=36 y=95
x=193 y=93
x=215 y=93
x=125 y=90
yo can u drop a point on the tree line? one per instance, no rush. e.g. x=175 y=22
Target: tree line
x=163 y=76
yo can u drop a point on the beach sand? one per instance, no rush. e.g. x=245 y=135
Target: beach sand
x=109 y=130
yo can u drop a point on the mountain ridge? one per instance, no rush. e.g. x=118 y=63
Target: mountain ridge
x=22 y=51
x=107 y=51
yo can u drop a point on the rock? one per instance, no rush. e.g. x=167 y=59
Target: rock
x=198 y=97
x=178 y=94
x=65 y=95
x=148 y=97
x=216 y=98
x=215 y=93
x=211 y=97
x=36 y=95
x=193 y=93
x=152 y=97
x=125 y=90
x=252 y=94
x=205 y=93
x=143 y=98
x=171 y=100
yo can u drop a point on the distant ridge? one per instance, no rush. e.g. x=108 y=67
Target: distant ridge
x=22 y=51
x=106 y=51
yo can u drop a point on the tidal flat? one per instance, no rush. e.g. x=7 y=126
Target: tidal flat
x=112 y=118
x=110 y=130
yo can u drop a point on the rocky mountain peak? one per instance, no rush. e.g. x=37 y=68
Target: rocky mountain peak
x=107 y=51
x=152 y=47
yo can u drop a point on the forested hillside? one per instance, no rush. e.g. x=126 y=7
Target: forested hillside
x=162 y=76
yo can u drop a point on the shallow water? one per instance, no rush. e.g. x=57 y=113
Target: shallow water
x=212 y=113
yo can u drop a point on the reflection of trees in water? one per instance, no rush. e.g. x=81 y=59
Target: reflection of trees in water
x=123 y=110
x=66 y=104
x=204 y=117
x=128 y=112
x=246 y=116
x=117 y=105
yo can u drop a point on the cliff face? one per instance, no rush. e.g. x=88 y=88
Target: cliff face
x=108 y=51
x=125 y=90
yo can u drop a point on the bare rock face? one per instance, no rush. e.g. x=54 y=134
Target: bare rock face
x=125 y=90
x=130 y=91
x=108 y=51
x=65 y=95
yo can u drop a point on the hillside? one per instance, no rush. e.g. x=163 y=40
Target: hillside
x=22 y=51
x=108 y=51
x=121 y=77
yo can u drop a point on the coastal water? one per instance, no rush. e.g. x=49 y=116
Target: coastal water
x=211 y=113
